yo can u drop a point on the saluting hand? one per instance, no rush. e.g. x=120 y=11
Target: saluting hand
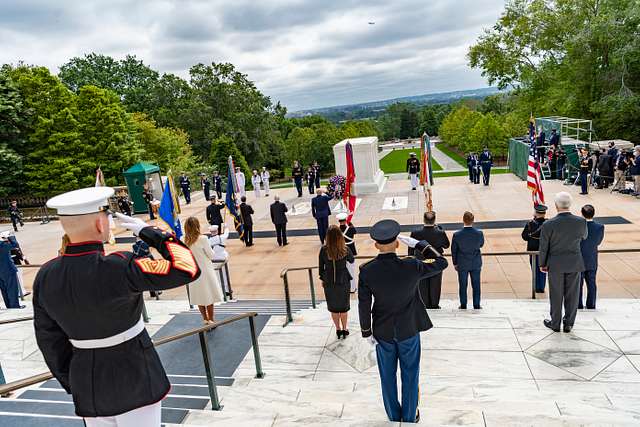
x=131 y=223
x=409 y=241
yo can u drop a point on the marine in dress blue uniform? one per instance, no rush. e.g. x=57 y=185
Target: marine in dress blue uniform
x=87 y=313
x=185 y=185
x=392 y=315
x=589 y=250
x=486 y=161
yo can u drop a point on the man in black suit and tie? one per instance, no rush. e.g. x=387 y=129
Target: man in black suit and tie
x=561 y=258
x=467 y=259
x=246 y=211
x=320 y=210
x=430 y=287
x=589 y=249
x=279 y=219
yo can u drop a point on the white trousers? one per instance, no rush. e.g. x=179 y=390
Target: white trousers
x=414 y=180
x=147 y=416
x=256 y=190
x=351 y=268
x=266 y=186
x=23 y=291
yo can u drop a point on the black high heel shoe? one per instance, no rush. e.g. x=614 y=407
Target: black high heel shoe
x=345 y=333
x=338 y=333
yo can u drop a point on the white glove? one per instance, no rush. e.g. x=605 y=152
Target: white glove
x=409 y=241
x=372 y=341
x=130 y=223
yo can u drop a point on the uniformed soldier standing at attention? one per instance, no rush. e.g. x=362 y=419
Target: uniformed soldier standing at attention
x=413 y=169
x=486 y=161
x=185 y=185
x=88 y=307
x=531 y=234
x=398 y=314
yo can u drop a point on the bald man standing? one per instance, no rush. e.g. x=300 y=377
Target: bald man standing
x=88 y=313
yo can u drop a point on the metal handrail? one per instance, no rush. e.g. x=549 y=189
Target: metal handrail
x=284 y=274
x=213 y=393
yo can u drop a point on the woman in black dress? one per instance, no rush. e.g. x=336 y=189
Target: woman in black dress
x=335 y=277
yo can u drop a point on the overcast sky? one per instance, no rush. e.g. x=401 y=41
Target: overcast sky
x=306 y=54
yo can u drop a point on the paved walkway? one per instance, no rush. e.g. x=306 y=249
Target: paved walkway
x=495 y=367
x=447 y=163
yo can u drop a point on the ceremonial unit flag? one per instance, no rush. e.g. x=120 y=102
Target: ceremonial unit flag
x=99 y=178
x=230 y=200
x=534 y=174
x=349 y=198
x=168 y=208
x=426 y=174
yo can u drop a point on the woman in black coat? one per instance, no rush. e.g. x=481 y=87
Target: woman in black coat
x=333 y=259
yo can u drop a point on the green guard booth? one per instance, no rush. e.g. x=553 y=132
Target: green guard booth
x=135 y=177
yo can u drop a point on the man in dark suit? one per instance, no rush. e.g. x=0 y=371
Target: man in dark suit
x=279 y=218
x=561 y=258
x=531 y=234
x=321 y=211
x=589 y=249
x=430 y=288
x=470 y=166
x=467 y=259
x=217 y=184
x=398 y=315
x=185 y=185
x=554 y=140
x=605 y=172
x=246 y=211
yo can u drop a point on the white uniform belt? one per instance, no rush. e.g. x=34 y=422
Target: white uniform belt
x=112 y=340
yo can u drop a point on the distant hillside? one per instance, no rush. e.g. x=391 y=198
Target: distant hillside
x=375 y=108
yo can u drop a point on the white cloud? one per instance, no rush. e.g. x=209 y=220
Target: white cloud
x=304 y=53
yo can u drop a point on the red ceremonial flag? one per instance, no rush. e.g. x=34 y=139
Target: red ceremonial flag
x=534 y=174
x=348 y=198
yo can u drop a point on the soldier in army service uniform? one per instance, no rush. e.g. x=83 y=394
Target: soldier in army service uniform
x=394 y=322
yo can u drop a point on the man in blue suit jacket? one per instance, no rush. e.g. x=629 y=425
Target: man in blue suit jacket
x=321 y=211
x=467 y=259
x=589 y=249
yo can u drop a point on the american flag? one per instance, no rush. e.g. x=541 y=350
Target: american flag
x=534 y=174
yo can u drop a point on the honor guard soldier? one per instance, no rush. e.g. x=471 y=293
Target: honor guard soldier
x=531 y=234
x=88 y=307
x=185 y=185
x=486 y=161
x=398 y=314
x=413 y=169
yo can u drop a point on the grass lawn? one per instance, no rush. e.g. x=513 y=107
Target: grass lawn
x=449 y=152
x=396 y=161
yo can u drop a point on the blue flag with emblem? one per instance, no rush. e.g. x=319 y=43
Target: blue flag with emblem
x=230 y=200
x=167 y=211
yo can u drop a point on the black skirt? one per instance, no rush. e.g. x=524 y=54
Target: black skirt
x=338 y=297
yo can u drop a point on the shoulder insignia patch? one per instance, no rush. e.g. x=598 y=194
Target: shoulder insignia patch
x=160 y=267
x=182 y=258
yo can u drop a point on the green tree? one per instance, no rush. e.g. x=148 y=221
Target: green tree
x=129 y=78
x=457 y=126
x=487 y=132
x=10 y=171
x=12 y=112
x=223 y=147
x=168 y=148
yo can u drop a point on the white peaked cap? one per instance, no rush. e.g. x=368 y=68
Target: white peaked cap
x=80 y=202
x=342 y=216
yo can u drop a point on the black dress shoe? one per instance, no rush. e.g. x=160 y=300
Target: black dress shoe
x=547 y=323
x=567 y=329
x=462 y=307
x=477 y=308
x=417 y=416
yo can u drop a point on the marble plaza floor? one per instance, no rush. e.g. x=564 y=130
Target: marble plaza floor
x=495 y=367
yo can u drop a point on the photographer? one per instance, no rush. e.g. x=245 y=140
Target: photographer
x=635 y=170
x=621 y=164
x=15 y=214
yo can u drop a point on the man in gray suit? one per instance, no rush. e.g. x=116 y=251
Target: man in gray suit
x=561 y=257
